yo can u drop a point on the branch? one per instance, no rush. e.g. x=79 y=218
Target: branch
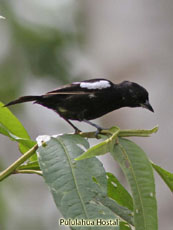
x=17 y=163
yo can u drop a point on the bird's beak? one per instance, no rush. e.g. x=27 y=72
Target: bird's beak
x=147 y=105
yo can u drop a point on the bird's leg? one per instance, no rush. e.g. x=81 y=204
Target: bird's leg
x=75 y=128
x=99 y=129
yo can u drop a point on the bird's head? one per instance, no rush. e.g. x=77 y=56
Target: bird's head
x=137 y=96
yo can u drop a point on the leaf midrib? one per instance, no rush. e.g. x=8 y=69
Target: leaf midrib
x=74 y=178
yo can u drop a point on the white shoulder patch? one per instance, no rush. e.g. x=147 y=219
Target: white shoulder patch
x=102 y=84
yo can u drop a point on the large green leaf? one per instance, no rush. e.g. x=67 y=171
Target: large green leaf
x=165 y=175
x=78 y=188
x=139 y=173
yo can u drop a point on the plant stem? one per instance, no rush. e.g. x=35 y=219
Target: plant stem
x=17 y=163
x=124 y=133
x=28 y=171
x=137 y=132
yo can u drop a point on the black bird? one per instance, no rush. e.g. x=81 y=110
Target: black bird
x=90 y=99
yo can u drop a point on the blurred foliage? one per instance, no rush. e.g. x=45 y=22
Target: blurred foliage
x=34 y=48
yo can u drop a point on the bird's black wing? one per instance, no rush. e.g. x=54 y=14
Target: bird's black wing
x=78 y=88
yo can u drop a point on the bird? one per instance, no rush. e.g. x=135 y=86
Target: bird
x=90 y=99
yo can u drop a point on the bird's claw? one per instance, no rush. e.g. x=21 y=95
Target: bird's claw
x=98 y=131
x=77 y=131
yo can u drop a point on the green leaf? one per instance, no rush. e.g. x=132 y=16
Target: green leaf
x=11 y=123
x=30 y=165
x=165 y=175
x=124 y=226
x=77 y=187
x=103 y=147
x=118 y=193
x=139 y=173
x=11 y=127
x=121 y=211
x=137 y=132
x=24 y=144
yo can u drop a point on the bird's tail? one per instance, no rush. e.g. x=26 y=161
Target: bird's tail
x=23 y=99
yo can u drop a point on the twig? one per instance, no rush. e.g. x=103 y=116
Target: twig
x=28 y=171
x=17 y=163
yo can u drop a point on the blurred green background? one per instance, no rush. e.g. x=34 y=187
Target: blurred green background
x=45 y=44
x=35 y=41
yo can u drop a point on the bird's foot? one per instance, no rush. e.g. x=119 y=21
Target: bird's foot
x=98 y=131
x=77 y=131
